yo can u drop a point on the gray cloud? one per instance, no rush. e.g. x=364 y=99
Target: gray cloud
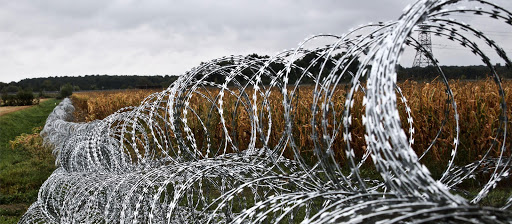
x=61 y=37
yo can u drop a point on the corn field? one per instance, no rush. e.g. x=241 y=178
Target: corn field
x=477 y=103
x=241 y=150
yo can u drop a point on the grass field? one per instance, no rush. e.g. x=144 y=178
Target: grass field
x=25 y=164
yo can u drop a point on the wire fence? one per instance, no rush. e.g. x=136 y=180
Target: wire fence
x=158 y=162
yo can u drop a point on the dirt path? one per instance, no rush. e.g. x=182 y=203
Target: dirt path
x=10 y=109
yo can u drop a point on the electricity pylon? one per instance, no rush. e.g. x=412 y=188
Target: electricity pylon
x=421 y=59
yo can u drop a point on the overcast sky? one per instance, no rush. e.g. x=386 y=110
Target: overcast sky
x=63 y=37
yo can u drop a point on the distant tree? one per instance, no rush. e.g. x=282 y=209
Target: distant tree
x=5 y=96
x=21 y=98
x=41 y=94
x=11 y=88
x=47 y=85
x=66 y=90
x=8 y=100
x=24 y=97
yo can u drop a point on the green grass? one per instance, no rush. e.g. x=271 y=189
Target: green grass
x=16 y=123
x=496 y=198
x=25 y=167
x=8 y=219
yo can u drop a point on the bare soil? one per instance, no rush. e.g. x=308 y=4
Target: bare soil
x=9 y=109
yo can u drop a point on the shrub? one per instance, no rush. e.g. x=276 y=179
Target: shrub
x=24 y=97
x=32 y=143
x=8 y=100
x=66 y=90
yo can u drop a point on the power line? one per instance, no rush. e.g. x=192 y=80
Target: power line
x=455 y=47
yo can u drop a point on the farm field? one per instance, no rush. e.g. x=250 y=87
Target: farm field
x=96 y=105
x=477 y=107
x=477 y=103
x=24 y=162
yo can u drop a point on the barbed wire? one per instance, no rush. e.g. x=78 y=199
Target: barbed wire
x=178 y=158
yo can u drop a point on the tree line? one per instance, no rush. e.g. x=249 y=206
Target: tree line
x=89 y=82
x=26 y=96
x=18 y=93
x=28 y=91
x=309 y=61
x=474 y=72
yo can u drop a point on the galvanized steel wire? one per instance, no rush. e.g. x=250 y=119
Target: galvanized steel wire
x=146 y=164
